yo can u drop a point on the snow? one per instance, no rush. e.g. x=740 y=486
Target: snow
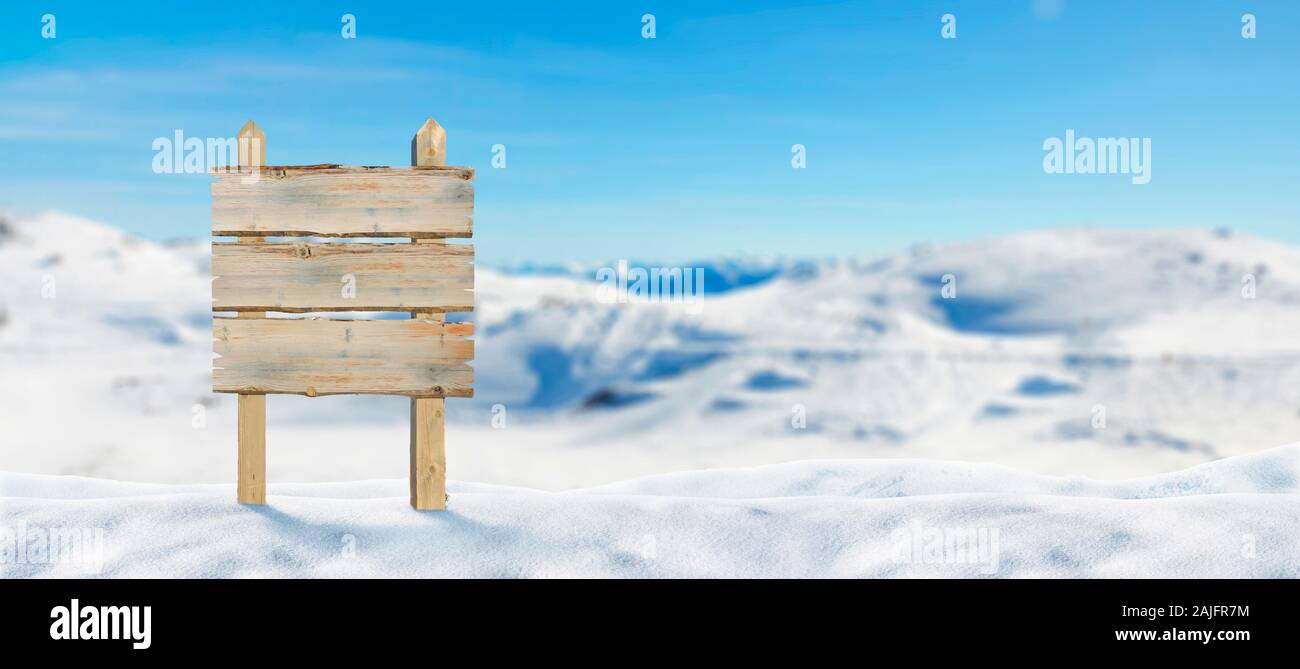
x=645 y=440
x=111 y=378
x=1237 y=517
x=106 y=378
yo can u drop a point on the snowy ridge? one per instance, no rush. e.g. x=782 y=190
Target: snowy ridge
x=807 y=519
x=1045 y=328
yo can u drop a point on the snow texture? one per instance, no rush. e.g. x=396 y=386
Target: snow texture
x=1238 y=517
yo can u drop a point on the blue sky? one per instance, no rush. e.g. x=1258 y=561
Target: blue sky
x=679 y=147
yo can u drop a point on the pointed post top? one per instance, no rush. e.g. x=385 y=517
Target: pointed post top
x=429 y=145
x=252 y=145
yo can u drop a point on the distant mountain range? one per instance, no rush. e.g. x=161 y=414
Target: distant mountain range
x=1098 y=352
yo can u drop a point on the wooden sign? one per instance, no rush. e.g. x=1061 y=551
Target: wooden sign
x=417 y=272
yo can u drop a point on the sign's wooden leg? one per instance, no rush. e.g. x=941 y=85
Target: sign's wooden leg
x=252 y=407
x=428 y=426
x=428 y=453
x=428 y=443
x=252 y=449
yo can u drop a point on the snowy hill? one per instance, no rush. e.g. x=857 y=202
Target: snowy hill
x=1103 y=353
x=843 y=518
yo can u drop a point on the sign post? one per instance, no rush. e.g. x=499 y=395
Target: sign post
x=412 y=269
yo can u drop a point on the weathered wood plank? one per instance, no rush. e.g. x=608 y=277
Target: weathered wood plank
x=315 y=356
x=300 y=277
x=342 y=201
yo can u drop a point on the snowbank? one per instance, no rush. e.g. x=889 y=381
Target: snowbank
x=1237 y=517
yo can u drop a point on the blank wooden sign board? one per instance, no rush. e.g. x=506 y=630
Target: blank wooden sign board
x=411 y=211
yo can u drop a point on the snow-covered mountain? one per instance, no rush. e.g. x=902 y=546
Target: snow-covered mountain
x=1092 y=352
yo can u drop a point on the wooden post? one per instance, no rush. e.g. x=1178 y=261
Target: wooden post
x=252 y=145
x=252 y=406
x=428 y=426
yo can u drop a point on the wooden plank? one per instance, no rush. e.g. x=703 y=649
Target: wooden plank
x=299 y=277
x=428 y=478
x=317 y=356
x=251 y=487
x=341 y=201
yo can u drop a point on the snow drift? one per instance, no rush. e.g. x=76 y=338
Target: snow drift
x=1237 y=517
